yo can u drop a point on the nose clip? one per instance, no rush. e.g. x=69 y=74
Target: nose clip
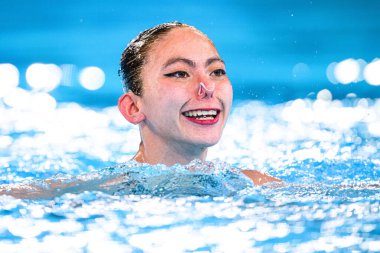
x=204 y=92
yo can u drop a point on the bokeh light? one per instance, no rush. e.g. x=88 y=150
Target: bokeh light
x=67 y=74
x=351 y=95
x=300 y=71
x=92 y=78
x=9 y=78
x=44 y=77
x=372 y=72
x=325 y=95
x=18 y=98
x=42 y=101
x=330 y=72
x=347 y=71
x=362 y=64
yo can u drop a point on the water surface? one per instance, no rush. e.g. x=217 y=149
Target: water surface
x=326 y=151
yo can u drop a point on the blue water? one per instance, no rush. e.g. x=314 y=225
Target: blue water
x=326 y=152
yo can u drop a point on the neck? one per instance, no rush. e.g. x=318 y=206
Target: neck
x=160 y=154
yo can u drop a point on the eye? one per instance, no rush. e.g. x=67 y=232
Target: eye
x=178 y=74
x=219 y=72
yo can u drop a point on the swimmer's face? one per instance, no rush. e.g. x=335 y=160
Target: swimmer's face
x=176 y=65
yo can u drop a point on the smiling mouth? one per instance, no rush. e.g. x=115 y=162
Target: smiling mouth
x=202 y=116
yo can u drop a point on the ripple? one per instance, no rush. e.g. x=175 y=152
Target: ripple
x=326 y=151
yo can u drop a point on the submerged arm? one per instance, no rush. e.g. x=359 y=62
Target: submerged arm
x=41 y=189
x=50 y=188
x=260 y=178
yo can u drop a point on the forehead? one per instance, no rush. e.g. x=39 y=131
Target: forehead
x=185 y=42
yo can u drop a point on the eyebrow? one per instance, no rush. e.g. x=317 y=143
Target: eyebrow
x=212 y=60
x=178 y=59
x=190 y=62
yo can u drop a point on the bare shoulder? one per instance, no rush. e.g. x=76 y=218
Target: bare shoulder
x=260 y=178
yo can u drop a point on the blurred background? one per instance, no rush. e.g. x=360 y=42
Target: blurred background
x=275 y=50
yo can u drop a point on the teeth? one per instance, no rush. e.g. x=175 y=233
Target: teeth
x=199 y=113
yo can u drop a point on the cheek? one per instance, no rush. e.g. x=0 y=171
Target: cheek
x=165 y=100
x=230 y=91
x=174 y=94
x=226 y=93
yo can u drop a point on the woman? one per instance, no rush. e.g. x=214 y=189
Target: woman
x=178 y=93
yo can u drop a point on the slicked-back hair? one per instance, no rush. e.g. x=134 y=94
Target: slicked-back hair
x=135 y=54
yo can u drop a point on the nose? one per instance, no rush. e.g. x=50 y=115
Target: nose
x=205 y=92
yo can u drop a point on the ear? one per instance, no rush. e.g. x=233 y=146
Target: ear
x=130 y=108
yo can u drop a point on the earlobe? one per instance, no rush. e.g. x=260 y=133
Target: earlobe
x=130 y=109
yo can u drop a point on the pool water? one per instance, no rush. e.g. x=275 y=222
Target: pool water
x=326 y=152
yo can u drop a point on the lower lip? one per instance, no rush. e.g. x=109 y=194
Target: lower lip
x=204 y=122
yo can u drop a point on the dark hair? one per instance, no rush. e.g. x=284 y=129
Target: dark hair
x=135 y=54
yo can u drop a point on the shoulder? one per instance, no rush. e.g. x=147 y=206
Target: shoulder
x=260 y=178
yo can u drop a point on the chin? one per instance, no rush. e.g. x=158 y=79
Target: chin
x=207 y=142
x=203 y=138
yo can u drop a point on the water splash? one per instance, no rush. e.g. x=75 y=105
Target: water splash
x=326 y=151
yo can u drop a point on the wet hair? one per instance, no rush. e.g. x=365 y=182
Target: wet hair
x=135 y=54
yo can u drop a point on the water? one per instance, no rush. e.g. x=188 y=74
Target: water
x=326 y=151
